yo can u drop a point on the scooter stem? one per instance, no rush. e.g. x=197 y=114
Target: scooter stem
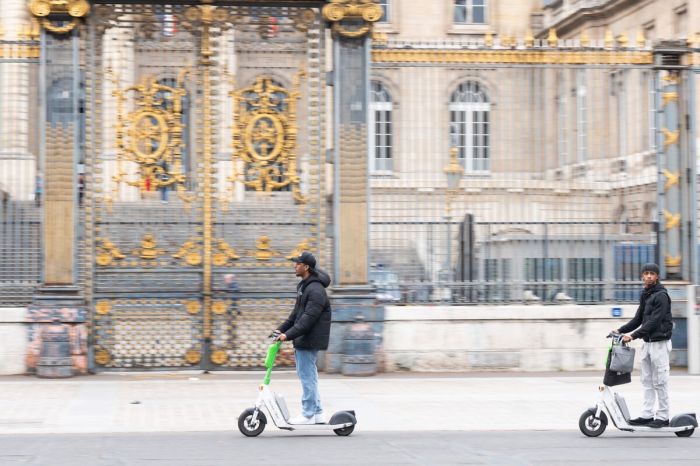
x=272 y=351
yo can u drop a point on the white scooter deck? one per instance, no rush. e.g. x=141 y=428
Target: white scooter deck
x=277 y=408
x=616 y=408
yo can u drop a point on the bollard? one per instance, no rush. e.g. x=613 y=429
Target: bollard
x=358 y=349
x=54 y=357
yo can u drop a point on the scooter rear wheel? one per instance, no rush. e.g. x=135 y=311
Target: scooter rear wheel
x=344 y=431
x=247 y=427
x=685 y=433
x=590 y=426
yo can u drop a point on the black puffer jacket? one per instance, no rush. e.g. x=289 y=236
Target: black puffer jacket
x=309 y=324
x=653 y=315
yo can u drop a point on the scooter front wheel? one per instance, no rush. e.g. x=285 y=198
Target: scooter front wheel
x=590 y=425
x=247 y=426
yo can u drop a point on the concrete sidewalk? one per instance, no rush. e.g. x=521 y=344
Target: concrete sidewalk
x=180 y=402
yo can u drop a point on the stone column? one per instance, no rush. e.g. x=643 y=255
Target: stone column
x=351 y=23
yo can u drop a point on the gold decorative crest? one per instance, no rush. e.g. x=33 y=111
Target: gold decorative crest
x=265 y=135
x=151 y=135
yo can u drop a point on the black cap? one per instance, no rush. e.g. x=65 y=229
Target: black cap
x=650 y=267
x=306 y=258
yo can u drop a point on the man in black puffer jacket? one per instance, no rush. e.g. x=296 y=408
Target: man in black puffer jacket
x=309 y=326
x=654 y=325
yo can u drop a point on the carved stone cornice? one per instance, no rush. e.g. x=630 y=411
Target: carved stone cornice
x=352 y=18
x=67 y=12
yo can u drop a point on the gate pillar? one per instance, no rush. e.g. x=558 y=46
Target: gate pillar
x=351 y=24
x=676 y=184
x=58 y=299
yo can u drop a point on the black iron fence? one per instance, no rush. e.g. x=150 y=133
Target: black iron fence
x=511 y=262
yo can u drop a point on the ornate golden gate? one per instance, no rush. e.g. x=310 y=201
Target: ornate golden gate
x=197 y=168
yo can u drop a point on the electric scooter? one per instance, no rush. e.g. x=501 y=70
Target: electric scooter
x=252 y=421
x=594 y=420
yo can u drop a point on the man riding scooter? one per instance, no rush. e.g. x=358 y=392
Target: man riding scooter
x=654 y=325
x=309 y=326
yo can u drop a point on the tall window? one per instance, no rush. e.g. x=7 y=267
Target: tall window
x=470 y=12
x=380 y=128
x=582 y=117
x=386 y=7
x=562 y=140
x=469 y=125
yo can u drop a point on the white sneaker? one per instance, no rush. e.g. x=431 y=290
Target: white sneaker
x=320 y=418
x=301 y=419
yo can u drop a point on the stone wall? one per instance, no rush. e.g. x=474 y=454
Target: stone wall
x=516 y=337
x=13 y=341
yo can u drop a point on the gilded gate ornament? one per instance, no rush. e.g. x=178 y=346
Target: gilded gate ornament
x=148 y=248
x=225 y=253
x=51 y=11
x=671 y=179
x=265 y=136
x=106 y=252
x=672 y=220
x=264 y=249
x=151 y=135
x=190 y=252
x=304 y=245
x=352 y=18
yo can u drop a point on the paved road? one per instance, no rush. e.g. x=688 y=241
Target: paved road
x=361 y=448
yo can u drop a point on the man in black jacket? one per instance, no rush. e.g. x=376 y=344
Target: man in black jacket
x=654 y=325
x=309 y=326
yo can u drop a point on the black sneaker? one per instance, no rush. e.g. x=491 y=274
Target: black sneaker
x=640 y=421
x=656 y=423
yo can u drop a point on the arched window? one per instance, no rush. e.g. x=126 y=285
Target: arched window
x=380 y=129
x=470 y=126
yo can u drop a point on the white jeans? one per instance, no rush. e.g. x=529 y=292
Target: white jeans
x=655 y=371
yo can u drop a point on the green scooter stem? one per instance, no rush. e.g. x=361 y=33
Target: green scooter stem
x=272 y=351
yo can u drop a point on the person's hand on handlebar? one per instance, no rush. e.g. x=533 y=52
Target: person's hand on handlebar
x=626 y=338
x=276 y=335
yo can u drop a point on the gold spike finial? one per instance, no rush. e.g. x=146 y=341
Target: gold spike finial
x=529 y=38
x=35 y=31
x=488 y=39
x=585 y=40
x=622 y=40
x=552 y=37
x=641 y=40
x=609 y=39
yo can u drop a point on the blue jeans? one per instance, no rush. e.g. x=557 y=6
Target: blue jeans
x=308 y=375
